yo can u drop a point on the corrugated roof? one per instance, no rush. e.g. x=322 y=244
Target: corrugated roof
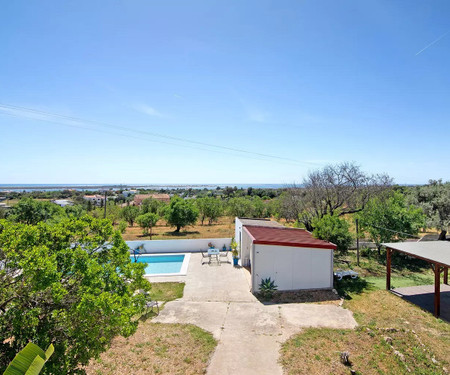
x=260 y=222
x=433 y=251
x=286 y=237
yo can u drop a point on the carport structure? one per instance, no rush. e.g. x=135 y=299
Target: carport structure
x=436 y=253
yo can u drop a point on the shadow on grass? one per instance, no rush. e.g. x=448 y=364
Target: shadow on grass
x=299 y=296
x=180 y=234
x=347 y=287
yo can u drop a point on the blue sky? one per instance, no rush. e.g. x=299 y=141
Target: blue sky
x=289 y=86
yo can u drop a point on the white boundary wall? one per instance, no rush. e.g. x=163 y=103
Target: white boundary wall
x=178 y=246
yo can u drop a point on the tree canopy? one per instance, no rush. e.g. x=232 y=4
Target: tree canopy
x=390 y=219
x=181 y=213
x=434 y=199
x=335 y=190
x=70 y=283
x=333 y=229
x=147 y=221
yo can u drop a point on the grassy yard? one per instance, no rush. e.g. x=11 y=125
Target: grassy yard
x=372 y=272
x=166 y=291
x=393 y=337
x=223 y=228
x=158 y=348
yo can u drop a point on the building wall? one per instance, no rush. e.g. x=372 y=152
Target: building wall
x=292 y=268
x=179 y=246
x=246 y=249
x=238 y=231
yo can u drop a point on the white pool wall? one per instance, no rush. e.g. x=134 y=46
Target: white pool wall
x=178 y=246
x=183 y=269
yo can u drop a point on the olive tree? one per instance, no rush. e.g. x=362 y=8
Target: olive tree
x=147 y=221
x=181 y=213
x=335 y=190
x=69 y=283
x=434 y=199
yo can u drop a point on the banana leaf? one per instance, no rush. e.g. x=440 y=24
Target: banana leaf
x=29 y=361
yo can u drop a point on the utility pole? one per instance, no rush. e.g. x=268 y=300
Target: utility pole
x=357 y=241
x=104 y=207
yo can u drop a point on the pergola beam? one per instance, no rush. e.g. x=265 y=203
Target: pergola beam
x=437 y=289
x=388 y=268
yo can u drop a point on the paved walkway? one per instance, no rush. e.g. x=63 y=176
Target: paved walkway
x=423 y=296
x=217 y=299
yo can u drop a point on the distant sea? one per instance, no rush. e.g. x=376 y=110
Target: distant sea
x=53 y=187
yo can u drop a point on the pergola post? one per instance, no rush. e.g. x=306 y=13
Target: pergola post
x=437 y=289
x=388 y=268
x=446 y=275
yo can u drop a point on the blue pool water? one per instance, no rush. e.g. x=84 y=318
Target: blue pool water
x=161 y=264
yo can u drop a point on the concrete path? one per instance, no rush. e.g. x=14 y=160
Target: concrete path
x=217 y=299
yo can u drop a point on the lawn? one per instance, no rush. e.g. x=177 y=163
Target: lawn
x=166 y=291
x=372 y=272
x=393 y=337
x=158 y=348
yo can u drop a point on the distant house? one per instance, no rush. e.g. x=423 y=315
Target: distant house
x=127 y=193
x=138 y=198
x=96 y=200
x=63 y=202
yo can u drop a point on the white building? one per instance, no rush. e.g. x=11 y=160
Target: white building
x=127 y=193
x=291 y=257
x=63 y=202
x=239 y=224
x=96 y=200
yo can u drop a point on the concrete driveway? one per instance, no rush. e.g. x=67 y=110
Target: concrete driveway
x=218 y=299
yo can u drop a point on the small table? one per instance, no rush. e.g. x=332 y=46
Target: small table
x=213 y=252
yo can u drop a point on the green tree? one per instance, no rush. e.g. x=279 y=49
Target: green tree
x=181 y=213
x=240 y=207
x=129 y=214
x=31 y=211
x=70 y=283
x=75 y=211
x=209 y=208
x=390 y=219
x=333 y=229
x=434 y=199
x=147 y=221
x=151 y=205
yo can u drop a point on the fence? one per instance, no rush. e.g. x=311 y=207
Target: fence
x=178 y=246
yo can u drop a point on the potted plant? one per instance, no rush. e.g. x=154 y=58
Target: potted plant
x=234 y=252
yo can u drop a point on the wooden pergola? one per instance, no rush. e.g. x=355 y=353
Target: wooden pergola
x=437 y=253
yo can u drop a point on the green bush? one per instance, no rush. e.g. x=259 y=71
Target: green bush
x=333 y=229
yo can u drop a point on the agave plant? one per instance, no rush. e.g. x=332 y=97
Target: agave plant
x=29 y=360
x=267 y=288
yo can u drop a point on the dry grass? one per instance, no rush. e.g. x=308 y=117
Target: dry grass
x=306 y=296
x=422 y=342
x=157 y=349
x=223 y=228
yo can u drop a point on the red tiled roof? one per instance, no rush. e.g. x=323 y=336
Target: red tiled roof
x=286 y=237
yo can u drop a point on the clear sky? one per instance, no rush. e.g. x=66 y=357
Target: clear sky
x=280 y=87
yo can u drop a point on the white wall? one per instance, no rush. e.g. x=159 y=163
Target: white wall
x=237 y=231
x=246 y=249
x=293 y=268
x=179 y=246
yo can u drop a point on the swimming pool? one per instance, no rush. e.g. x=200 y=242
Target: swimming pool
x=164 y=264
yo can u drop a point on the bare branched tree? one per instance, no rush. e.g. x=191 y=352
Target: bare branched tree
x=335 y=190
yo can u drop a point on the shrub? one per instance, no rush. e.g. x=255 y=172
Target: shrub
x=333 y=229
